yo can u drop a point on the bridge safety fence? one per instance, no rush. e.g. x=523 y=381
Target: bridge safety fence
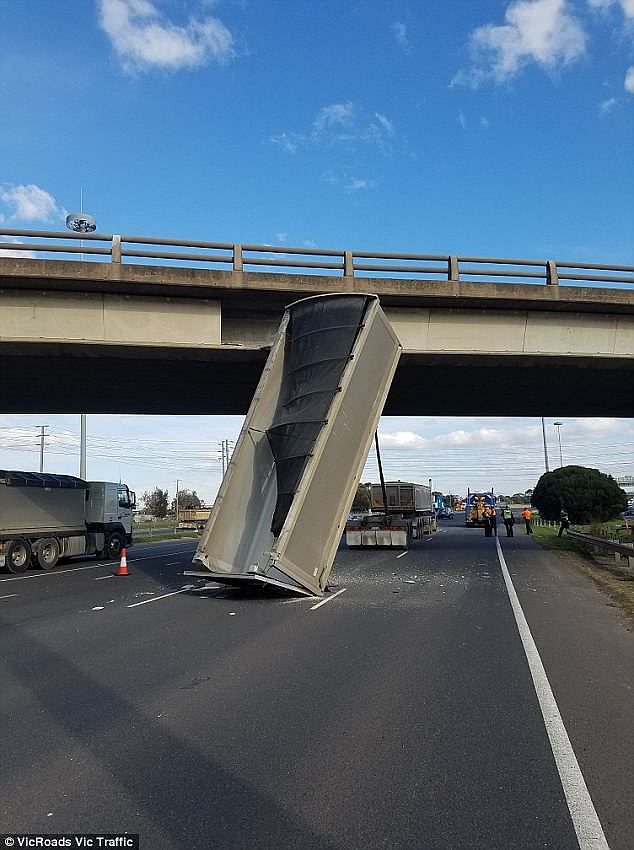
x=230 y=256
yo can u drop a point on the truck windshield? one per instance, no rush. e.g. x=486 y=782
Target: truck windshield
x=125 y=498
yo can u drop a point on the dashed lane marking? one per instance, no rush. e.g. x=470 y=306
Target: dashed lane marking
x=9 y=596
x=584 y=817
x=329 y=599
x=164 y=596
x=402 y=555
x=52 y=573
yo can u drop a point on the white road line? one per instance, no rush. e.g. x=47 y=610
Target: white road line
x=51 y=573
x=101 y=578
x=586 y=822
x=164 y=596
x=9 y=596
x=401 y=555
x=299 y=599
x=328 y=599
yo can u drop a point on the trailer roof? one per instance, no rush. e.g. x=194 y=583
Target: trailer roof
x=15 y=478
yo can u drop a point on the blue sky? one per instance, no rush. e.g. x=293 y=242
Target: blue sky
x=486 y=128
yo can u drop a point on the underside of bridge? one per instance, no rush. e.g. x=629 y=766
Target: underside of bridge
x=64 y=378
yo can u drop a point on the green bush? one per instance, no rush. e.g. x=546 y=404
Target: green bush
x=587 y=495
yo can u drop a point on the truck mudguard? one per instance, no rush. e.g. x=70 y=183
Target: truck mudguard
x=281 y=507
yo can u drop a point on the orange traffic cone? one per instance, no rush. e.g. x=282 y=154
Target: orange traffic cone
x=122 y=569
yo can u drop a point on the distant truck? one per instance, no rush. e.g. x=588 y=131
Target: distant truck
x=193 y=518
x=410 y=514
x=45 y=517
x=474 y=508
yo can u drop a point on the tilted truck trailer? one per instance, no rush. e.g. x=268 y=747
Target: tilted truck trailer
x=45 y=517
x=410 y=514
x=281 y=508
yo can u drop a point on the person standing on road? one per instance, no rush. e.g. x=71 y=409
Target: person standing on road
x=509 y=521
x=527 y=515
x=493 y=517
x=486 y=521
x=564 y=522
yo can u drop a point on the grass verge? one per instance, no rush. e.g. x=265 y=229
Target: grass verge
x=618 y=585
x=156 y=538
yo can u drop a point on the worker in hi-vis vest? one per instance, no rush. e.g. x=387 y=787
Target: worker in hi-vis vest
x=527 y=515
x=509 y=521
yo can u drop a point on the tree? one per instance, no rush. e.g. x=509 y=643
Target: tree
x=156 y=502
x=186 y=499
x=588 y=495
x=362 y=499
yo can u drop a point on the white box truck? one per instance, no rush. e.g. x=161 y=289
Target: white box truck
x=45 y=517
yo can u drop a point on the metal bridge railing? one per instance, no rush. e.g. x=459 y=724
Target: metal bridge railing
x=47 y=244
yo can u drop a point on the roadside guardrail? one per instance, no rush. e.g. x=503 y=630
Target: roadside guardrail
x=619 y=550
x=49 y=244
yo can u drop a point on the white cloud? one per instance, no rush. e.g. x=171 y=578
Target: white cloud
x=484 y=122
x=379 y=133
x=627 y=6
x=335 y=115
x=281 y=237
x=540 y=31
x=144 y=39
x=629 y=80
x=7 y=252
x=289 y=142
x=461 y=119
x=30 y=203
x=608 y=105
x=358 y=185
x=309 y=243
x=399 y=31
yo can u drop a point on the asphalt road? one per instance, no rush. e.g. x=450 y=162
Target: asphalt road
x=400 y=713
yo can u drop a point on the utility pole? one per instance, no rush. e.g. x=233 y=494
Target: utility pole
x=558 y=427
x=177 y=483
x=82 y=447
x=545 y=448
x=43 y=434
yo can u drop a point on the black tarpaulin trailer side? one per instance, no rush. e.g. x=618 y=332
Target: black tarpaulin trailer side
x=320 y=336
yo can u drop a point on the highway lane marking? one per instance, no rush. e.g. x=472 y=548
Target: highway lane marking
x=9 y=596
x=401 y=555
x=329 y=599
x=101 y=578
x=584 y=817
x=299 y=599
x=48 y=574
x=164 y=596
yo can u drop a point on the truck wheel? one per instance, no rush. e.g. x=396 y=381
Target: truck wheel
x=114 y=545
x=18 y=555
x=46 y=553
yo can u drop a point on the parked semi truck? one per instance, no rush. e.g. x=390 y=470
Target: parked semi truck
x=410 y=514
x=45 y=517
x=194 y=518
x=474 y=508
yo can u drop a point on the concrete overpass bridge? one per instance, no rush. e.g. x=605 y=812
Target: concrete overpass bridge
x=143 y=325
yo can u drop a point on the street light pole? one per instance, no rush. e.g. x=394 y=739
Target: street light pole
x=82 y=447
x=545 y=448
x=43 y=434
x=558 y=427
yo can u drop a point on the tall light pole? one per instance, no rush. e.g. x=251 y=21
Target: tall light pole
x=43 y=434
x=82 y=447
x=81 y=222
x=558 y=427
x=545 y=448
